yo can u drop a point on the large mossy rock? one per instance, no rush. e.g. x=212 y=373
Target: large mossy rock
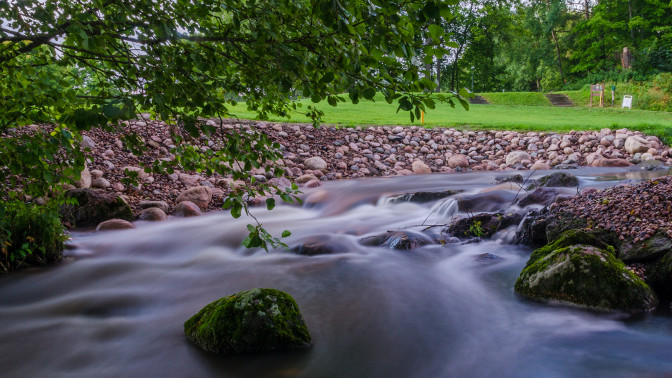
x=256 y=320
x=626 y=248
x=580 y=269
x=95 y=206
x=542 y=227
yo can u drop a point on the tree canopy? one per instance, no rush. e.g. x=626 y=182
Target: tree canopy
x=94 y=63
x=557 y=44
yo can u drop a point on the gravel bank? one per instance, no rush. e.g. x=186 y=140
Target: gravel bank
x=313 y=155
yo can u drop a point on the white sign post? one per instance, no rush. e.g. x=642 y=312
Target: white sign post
x=627 y=102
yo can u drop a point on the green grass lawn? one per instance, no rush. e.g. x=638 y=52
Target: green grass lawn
x=517 y=98
x=500 y=117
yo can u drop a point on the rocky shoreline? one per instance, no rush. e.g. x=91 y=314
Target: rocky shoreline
x=313 y=155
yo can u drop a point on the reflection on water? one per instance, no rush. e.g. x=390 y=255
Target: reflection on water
x=118 y=307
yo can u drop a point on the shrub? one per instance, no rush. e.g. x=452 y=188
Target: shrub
x=654 y=94
x=663 y=82
x=30 y=235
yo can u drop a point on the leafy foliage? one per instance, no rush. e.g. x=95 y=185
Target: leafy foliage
x=547 y=45
x=93 y=63
x=29 y=235
x=476 y=230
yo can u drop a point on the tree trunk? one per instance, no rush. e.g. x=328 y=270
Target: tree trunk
x=557 y=51
x=438 y=76
x=632 y=33
x=428 y=68
x=586 y=9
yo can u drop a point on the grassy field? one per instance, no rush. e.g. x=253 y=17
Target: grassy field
x=509 y=117
x=517 y=98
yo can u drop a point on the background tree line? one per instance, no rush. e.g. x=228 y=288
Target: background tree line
x=546 y=45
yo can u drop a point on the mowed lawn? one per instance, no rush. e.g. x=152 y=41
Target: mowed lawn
x=509 y=117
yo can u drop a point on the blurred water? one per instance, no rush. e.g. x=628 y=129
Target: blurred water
x=117 y=307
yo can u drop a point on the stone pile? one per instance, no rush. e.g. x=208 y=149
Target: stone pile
x=314 y=155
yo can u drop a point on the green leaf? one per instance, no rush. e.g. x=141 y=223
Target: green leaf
x=286 y=233
x=369 y=93
x=436 y=32
x=236 y=209
x=464 y=92
x=376 y=54
x=327 y=78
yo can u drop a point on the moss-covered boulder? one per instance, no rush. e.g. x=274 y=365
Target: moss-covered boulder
x=93 y=207
x=256 y=320
x=580 y=269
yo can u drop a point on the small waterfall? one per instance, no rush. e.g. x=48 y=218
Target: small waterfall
x=506 y=236
x=394 y=199
x=444 y=209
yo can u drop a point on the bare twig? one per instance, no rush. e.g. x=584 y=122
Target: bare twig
x=522 y=187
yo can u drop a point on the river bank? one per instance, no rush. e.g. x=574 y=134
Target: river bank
x=312 y=156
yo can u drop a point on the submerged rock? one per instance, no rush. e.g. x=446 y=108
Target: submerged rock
x=319 y=245
x=256 y=320
x=532 y=230
x=422 y=197
x=540 y=196
x=517 y=178
x=649 y=165
x=579 y=269
x=482 y=225
x=399 y=240
x=557 y=179
x=489 y=201
x=488 y=258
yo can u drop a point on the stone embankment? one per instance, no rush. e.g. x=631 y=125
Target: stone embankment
x=314 y=155
x=587 y=242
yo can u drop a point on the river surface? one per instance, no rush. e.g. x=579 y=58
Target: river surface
x=116 y=306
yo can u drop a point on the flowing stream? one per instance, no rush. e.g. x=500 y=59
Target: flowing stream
x=116 y=306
